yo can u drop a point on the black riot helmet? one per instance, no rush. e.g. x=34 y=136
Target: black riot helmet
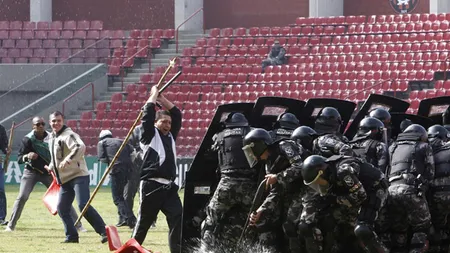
x=328 y=120
x=313 y=173
x=405 y=124
x=381 y=114
x=305 y=136
x=287 y=120
x=256 y=142
x=235 y=119
x=419 y=130
x=437 y=132
x=371 y=127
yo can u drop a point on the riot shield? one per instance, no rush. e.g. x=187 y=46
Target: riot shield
x=392 y=104
x=201 y=178
x=434 y=108
x=267 y=109
x=397 y=118
x=314 y=105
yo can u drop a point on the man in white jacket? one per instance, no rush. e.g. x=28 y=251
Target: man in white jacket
x=68 y=163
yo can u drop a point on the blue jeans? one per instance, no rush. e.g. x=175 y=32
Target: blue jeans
x=79 y=188
x=2 y=194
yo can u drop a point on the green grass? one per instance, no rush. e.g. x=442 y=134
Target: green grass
x=39 y=231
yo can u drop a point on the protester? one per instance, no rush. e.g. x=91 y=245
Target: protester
x=158 y=190
x=106 y=150
x=4 y=149
x=34 y=153
x=68 y=164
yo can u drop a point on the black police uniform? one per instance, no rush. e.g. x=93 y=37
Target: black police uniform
x=357 y=191
x=284 y=126
x=439 y=197
x=412 y=167
x=330 y=142
x=367 y=143
x=229 y=205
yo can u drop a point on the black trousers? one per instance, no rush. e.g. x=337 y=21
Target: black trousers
x=133 y=183
x=155 y=197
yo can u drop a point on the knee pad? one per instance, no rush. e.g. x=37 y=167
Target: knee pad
x=289 y=229
x=363 y=232
x=304 y=230
x=419 y=240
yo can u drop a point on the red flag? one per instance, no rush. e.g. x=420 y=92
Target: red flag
x=51 y=196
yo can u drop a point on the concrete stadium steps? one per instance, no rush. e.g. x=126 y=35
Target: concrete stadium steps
x=160 y=58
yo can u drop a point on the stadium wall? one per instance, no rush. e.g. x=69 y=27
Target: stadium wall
x=118 y=14
x=248 y=13
x=379 y=7
x=14 y=9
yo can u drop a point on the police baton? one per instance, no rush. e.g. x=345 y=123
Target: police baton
x=255 y=204
x=125 y=141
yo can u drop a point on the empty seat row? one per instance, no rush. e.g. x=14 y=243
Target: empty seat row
x=399 y=28
x=54 y=25
x=156 y=33
x=375 y=57
x=41 y=53
x=64 y=34
x=373 y=19
x=276 y=31
x=316 y=40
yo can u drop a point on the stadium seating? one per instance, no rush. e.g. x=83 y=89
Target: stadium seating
x=85 y=35
x=345 y=57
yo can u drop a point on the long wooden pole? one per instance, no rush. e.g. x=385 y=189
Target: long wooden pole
x=124 y=143
x=10 y=142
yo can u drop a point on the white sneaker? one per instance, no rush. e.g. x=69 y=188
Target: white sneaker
x=81 y=229
x=8 y=229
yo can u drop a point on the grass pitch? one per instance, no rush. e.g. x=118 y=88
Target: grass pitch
x=39 y=231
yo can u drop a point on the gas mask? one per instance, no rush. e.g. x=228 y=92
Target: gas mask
x=319 y=184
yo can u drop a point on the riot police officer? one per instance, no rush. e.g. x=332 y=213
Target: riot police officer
x=356 y=191
x=368 y=144
x=439 y=200
x=226 y=212
x=412 y=167
x=284 y=159
x=284 y=126
x=305 y=137
x=330 y=142
x=384 y=116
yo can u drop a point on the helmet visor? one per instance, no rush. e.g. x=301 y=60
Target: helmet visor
x=251 y=157
x=319 y=184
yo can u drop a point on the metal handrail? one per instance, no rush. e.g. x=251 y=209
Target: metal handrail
x=370 y=87
x=71 y=56
x=21 y=123
x=129 y=58
x=77 y=92
x=191 y=16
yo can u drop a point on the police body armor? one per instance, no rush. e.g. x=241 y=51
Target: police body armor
x=366 y=149
x=442 y=161
x=370 y=176
x=281 y=133
x=405 y=161
x=232 y=161
x=325 y=151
